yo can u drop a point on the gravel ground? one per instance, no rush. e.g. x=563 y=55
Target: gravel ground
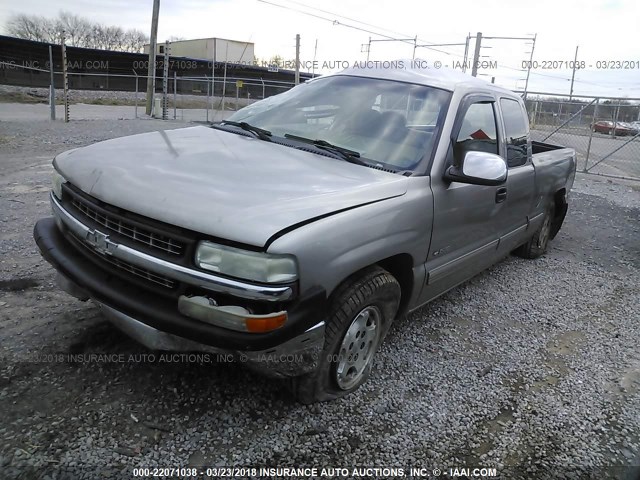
x=532 y=367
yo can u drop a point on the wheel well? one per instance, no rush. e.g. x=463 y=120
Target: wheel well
x=401 y=267
x=560 y=211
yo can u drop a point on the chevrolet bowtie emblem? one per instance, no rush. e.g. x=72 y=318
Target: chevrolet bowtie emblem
x=100 y=242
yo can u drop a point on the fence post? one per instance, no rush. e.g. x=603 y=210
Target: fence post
x=52 y=90
x=560 y=112
x=224 y=89
x=136 y=108
x=175 y=92
x=208 y=90
x=65 y=80
x=615 y=120
x=165 y=83
x=215 y=105
x=593 y=121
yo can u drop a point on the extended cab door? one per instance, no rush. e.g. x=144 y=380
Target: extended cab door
x=467 y=218
x=520 y=186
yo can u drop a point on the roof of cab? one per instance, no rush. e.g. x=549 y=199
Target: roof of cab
x=410 y=71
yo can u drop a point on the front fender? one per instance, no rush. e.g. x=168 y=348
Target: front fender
x=331 y=249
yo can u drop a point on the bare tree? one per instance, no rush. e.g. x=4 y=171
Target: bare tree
x=135 y=40
x=78 y=32
x=54 y=30
x=30 y=27
x=113 y=38
x=76 y=28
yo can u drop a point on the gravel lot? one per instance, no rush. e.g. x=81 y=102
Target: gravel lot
x=532 y=367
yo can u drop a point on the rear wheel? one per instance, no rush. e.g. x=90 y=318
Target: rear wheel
x=361 y=312
x=537 y=244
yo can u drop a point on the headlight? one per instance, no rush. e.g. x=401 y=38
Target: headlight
x=57 y=180
x=256 y=266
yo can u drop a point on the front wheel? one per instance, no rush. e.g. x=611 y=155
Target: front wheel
x=360 y=314
x=538 y=243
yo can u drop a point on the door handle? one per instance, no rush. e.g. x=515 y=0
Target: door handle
x=501 y=194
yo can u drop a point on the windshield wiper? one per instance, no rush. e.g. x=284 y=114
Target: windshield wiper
x=261 y=133
x=348 y=155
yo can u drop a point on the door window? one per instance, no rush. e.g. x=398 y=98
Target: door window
x=478 y=131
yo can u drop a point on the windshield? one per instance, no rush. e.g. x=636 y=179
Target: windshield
x=389 y=123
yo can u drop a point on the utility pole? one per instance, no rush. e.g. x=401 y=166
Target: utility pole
x=573 y=75
x=315 y=53
x=476 y=55
x=297 y=78
x=151 y=71
x=526 y=82
x=466 y=52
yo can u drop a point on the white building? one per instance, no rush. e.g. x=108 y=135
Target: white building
x=216 y=49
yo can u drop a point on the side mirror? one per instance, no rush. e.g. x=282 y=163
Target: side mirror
x=479 y=168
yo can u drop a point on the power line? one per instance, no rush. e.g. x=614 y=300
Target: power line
x=348 y=18
x=429 y=43
x=337 y=22
x=405 y=40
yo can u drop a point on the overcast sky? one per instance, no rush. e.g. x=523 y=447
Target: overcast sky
x=605 y=30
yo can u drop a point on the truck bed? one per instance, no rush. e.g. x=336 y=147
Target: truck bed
x=541 y=147
x=555 y=167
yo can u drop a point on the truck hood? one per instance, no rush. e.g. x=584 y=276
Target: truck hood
x=222 y=184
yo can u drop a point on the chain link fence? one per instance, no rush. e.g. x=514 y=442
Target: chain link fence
x=187 y=98
x=217 y=97
x=193 y=99
x=605 y=132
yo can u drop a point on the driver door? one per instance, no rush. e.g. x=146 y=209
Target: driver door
x=467 y=218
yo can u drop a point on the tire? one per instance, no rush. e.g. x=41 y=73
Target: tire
x=538 y=243
x=363 y=307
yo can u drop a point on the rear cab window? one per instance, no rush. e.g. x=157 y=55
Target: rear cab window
x=516 y=129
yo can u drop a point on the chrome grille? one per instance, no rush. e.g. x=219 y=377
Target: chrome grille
x=141 y=235
x=141 y=272
x=133 y=269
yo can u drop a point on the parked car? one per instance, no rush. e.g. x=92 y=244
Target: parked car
x=621 y=128
x=631 y=129
x=293 y=234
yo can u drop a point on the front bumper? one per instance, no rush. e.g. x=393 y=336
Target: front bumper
x=154 y=320
x=289 y=359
